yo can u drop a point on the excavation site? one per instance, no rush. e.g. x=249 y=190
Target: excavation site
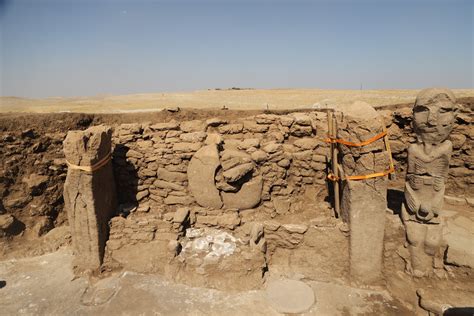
x=353 y=209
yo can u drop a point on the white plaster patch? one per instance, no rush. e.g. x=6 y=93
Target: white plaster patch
x=212 y=243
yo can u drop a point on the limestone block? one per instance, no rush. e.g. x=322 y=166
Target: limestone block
x=236 y=173
x=301 y=119
x=363 y=202
x=35 y=183
x=272 y=147
x=171 y=125
x=180 y=215
x=215 y=121
x=182 y=200
x=213 y=139
x=253 y=127
x=459 y=237
x=247 y=197
x=201 y=172
x=306 y=143
x=230 y=221
x=89 y=198
x=286 y=120
x=231 y=158
x=168 y=185
x=193 y=126
x=282 y=206
x=259 y=156
x=193 y=137
x=266 y=118
x=249 y=143
x=231 y=128
x=171 y=176
x=301 y=131
x=186 y=147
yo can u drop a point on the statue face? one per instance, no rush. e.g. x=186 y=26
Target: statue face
x=434 y=121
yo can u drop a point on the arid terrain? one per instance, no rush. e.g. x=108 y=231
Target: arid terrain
x=234 y=99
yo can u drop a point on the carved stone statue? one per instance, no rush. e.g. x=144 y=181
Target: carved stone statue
x=434 y=114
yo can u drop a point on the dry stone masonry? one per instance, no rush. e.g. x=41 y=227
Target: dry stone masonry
x=263 y=160
x=89 y=196
x=213 y=178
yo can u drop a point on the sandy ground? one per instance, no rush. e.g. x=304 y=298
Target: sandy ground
x=45 y=285
x=275 y=99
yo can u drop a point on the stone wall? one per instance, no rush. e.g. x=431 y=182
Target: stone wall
x=461 y=169
x=287 y=151
x=151 y=159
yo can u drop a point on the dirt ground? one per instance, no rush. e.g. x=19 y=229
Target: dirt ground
x=45 y=285
x=233 y=99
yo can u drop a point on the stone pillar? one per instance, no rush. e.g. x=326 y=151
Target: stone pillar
x=364 y=202
x=434 y=114
x=89 y=195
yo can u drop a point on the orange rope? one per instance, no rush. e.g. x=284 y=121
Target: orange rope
x=351 y=144
x=333 y=177
x=93 y=167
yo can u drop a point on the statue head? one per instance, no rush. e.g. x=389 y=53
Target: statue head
x=434 y=114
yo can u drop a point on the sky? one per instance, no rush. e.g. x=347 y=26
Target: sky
x=86 y=48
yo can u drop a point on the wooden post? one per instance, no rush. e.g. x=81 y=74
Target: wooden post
x=334 y=164
x=392 y=176
x=335 y=168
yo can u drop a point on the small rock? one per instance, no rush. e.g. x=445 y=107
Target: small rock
x=271 y=225
x=256 y=232
x=301 y=119
x=174 y=247
x=173 y=109
x=454 y=200
x=186 y=147
x=272 y=148
x=236 y=173
x=180 y=215
x=229 y=221
x=193 y=126
x=29 y=133
x=213 y=139
x=142 y=194
x=247 y=197
x=306 y=143
x=183 y=200
x=259 y=156
x=6 y=221
x=193 y=137
x=282 y=206
x=171 y=125
x=215 y=121
x=143 y=208
x=43 y=226
x=171 y=176
x=36 y=183
x=284 y=163
x=296 y=228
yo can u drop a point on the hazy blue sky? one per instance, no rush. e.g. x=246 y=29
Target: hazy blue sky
x=73 y=47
